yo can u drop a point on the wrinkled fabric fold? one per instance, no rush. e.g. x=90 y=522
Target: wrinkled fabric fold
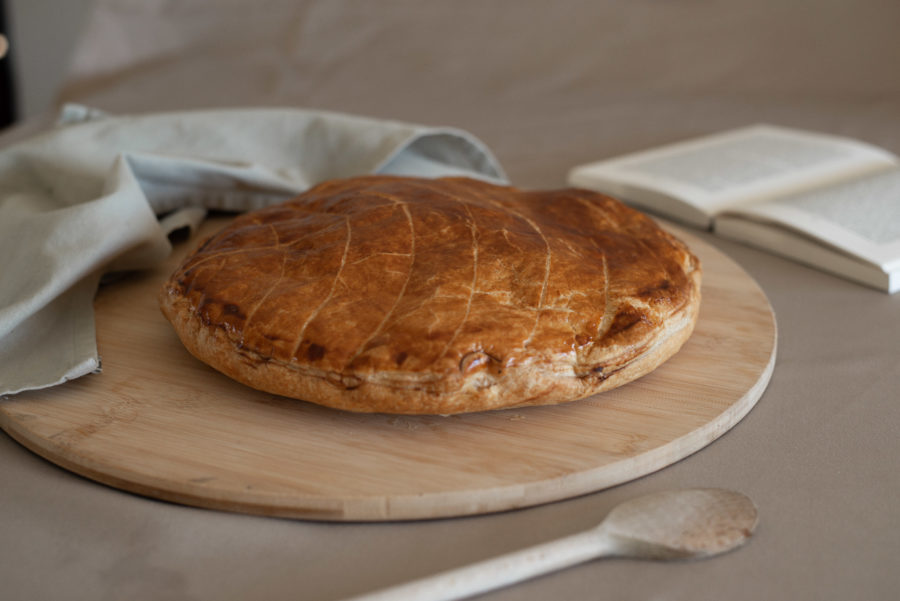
x=101 y=193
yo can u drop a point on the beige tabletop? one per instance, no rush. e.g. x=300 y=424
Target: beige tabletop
x=546 y=86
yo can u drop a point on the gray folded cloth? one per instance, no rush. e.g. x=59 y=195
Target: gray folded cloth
x=100 y=193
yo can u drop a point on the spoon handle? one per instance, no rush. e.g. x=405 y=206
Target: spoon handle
x=500 y=571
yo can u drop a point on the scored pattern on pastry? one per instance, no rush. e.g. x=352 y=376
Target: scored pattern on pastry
x=451 y=292
x=334 y=283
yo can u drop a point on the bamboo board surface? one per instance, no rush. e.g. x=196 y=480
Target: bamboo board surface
x=158 y=422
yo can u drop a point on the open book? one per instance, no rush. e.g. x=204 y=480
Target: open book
x=827 y=201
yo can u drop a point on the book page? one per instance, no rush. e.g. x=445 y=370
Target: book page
x=745 y=165
x=803 y=249
x=861 y=216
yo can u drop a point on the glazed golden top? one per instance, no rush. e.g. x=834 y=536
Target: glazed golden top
x=424 y=278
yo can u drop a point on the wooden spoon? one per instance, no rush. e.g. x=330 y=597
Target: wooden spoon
x=677 y=524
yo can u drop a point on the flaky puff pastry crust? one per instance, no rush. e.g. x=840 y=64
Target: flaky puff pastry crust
x=417 y=296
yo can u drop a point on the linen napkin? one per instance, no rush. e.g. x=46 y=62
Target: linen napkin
x=100 y=193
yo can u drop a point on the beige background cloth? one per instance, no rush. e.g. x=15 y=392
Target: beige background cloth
x=546 y=86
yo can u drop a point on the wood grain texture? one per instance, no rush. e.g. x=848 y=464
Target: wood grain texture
x=158 y=422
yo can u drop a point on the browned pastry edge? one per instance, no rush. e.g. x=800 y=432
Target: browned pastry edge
x=529 y=385
x=638 y=331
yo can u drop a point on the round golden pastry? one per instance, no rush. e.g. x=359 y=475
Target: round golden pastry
x=420 y=296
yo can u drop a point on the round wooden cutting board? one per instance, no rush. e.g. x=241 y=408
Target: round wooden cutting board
x=160 y=423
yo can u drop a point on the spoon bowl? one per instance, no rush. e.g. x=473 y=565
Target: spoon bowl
x=681 y=523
